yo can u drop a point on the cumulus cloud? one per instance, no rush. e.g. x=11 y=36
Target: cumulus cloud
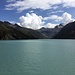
x=21 y=5
x=64 y=18
x=67 y=18
x=32 y=21
x=50 y=25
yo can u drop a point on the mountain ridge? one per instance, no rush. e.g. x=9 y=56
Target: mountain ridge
x=67 y=32
x=10 y=31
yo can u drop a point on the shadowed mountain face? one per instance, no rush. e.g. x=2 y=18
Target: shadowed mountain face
x=67 y=32
x=49 y=32
x=10 y=31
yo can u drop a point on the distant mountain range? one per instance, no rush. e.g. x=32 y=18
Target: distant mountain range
x=10 y=31
x=67 y=32
x=49 y=32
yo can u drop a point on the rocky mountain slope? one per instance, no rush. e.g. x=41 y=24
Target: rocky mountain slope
x=67 y=32
x=10 y=31
x=49 y=32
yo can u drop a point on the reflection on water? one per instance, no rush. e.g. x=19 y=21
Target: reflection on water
x=37 y=57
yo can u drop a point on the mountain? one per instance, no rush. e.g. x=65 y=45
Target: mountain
x=49 y=32
x=10 y=31
x=67 y=32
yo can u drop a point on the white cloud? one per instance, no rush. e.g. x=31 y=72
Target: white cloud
x=34 y=4
x=18 y=23
x=54 y=17
x=12 y=22
x=68 y=3
x=31 y=11
x=64 y=18
x=21 y=5
x=55 y=7
x=53 y=12
x=32 y=21
x=50 y=25
x=67 y=18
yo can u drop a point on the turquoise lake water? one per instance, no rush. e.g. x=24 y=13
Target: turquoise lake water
x=37 y=57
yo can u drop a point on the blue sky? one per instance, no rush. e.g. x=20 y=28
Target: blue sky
x=37 y=13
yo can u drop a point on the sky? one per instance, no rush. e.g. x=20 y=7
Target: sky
x=37 y=13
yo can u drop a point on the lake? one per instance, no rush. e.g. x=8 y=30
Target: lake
x=37 y=57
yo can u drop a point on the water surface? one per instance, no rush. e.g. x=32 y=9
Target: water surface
x=37 y=57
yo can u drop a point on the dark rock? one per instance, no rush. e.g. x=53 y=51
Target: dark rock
x=67 y=32
x=10 y=31
x=49 y=32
